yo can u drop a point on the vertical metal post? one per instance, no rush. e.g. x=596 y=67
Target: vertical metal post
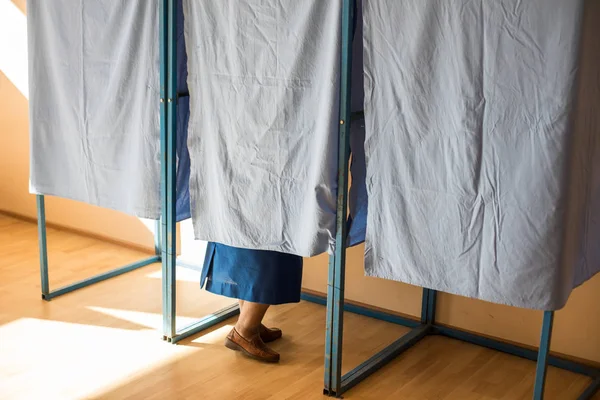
x=163 y=160
x=424 y=305
x=329 y=325
x=428 y=305
x=431 y=306
x=41 y=220
x=157 y=237
x=171 y=243
x=336 y=284
x=543 y=353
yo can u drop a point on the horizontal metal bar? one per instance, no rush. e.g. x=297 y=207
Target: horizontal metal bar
x=380 y=359
x=515 y=350
x=101 y=277
x=590 y=391
x=376 y=362
x=206 y=322
x=367 y=312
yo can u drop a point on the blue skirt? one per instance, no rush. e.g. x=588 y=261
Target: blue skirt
x=258 y=276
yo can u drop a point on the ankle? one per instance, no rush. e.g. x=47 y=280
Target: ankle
x=247 y=332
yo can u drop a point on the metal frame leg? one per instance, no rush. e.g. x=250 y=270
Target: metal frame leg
x=171 y=160
x=432 y=306
x=424 y=305
x=334 y=383
x=41 y=215
x=543 y=353
x=422 y=329
x=168 y=110
x=44 y=275
x=337 y=262
x=591 y=390
x=428 y=306
x=334 y=330
x=166 y=184
x=157 y=237
x=165 y=229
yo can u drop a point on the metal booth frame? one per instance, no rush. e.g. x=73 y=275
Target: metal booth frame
x=169 y=100
x=337 y=384
x=165 y=234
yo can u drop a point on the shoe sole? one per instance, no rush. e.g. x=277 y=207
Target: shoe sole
x=230 y=344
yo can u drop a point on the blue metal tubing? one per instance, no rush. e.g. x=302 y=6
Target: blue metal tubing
x=336 y=281
x=157 y=238
x=424 y=305
x=332 y=315
x=380 y=359
x=49 y=295
x=171 y=159
x=169 y=138
x=206 y=322
x=367 y=312
x=472 y=338
x=335 y=384
x=431 y=306
x=330 y=307
x=101 y=277
x=163 y=161
x=349 y=381
x=515 y=350
x=41 y=214
x=590 y=391
x=360 y=373
x=428 y=306
x=542 y=358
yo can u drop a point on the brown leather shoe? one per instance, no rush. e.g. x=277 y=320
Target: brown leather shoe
x=254 y=348
x=269 y=335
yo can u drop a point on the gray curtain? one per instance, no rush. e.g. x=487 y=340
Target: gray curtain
x=264 y=80
x=94 y=111
x=483 y=146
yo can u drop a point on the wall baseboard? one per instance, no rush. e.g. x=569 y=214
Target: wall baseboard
x=108 y=239
x=364 y=305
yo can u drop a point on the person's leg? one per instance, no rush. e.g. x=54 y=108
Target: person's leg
x=268 y=335
x=246 y=335
x=250 y=320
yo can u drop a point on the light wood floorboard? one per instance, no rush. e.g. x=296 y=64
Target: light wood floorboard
x=103 y=342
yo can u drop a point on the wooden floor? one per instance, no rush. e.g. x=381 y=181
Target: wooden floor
x=103 y=342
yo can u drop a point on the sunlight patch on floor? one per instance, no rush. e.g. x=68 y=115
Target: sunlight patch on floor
x=150 y=320
x=183 y=275
x=215 y=337
x=42 y=359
